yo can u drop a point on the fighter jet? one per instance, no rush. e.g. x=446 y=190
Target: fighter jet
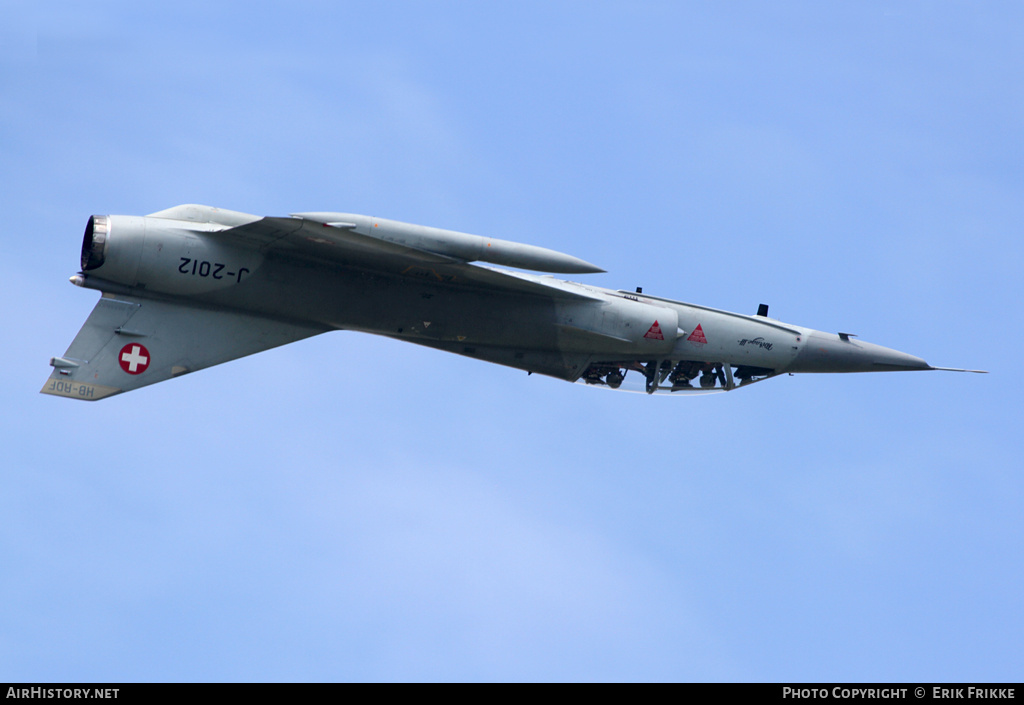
x=194 y=286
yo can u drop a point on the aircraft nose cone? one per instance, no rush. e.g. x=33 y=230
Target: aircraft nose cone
x=826 y=352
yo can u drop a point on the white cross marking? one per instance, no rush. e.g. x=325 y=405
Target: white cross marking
x=134 y=359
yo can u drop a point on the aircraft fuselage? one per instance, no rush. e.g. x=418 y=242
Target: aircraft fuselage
x=253 y=283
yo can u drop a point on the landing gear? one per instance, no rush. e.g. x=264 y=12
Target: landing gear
x=604 y=374
x=683 y=372
x=672 y=375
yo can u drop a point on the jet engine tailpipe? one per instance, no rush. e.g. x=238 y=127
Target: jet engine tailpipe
x=94 y=242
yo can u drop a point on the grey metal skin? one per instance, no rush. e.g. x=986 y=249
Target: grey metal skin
x=194 y=286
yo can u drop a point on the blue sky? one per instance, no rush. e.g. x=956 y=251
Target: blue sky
x=352 y=508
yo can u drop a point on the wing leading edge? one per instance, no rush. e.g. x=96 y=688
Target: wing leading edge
x=311 y=240
x=128 y=342
x=378 y=244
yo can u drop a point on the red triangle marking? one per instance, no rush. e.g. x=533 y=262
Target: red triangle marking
x=654 y=332
x=697 y=336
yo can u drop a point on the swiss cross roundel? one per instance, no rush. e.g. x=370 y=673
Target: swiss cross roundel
x=133 y=358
